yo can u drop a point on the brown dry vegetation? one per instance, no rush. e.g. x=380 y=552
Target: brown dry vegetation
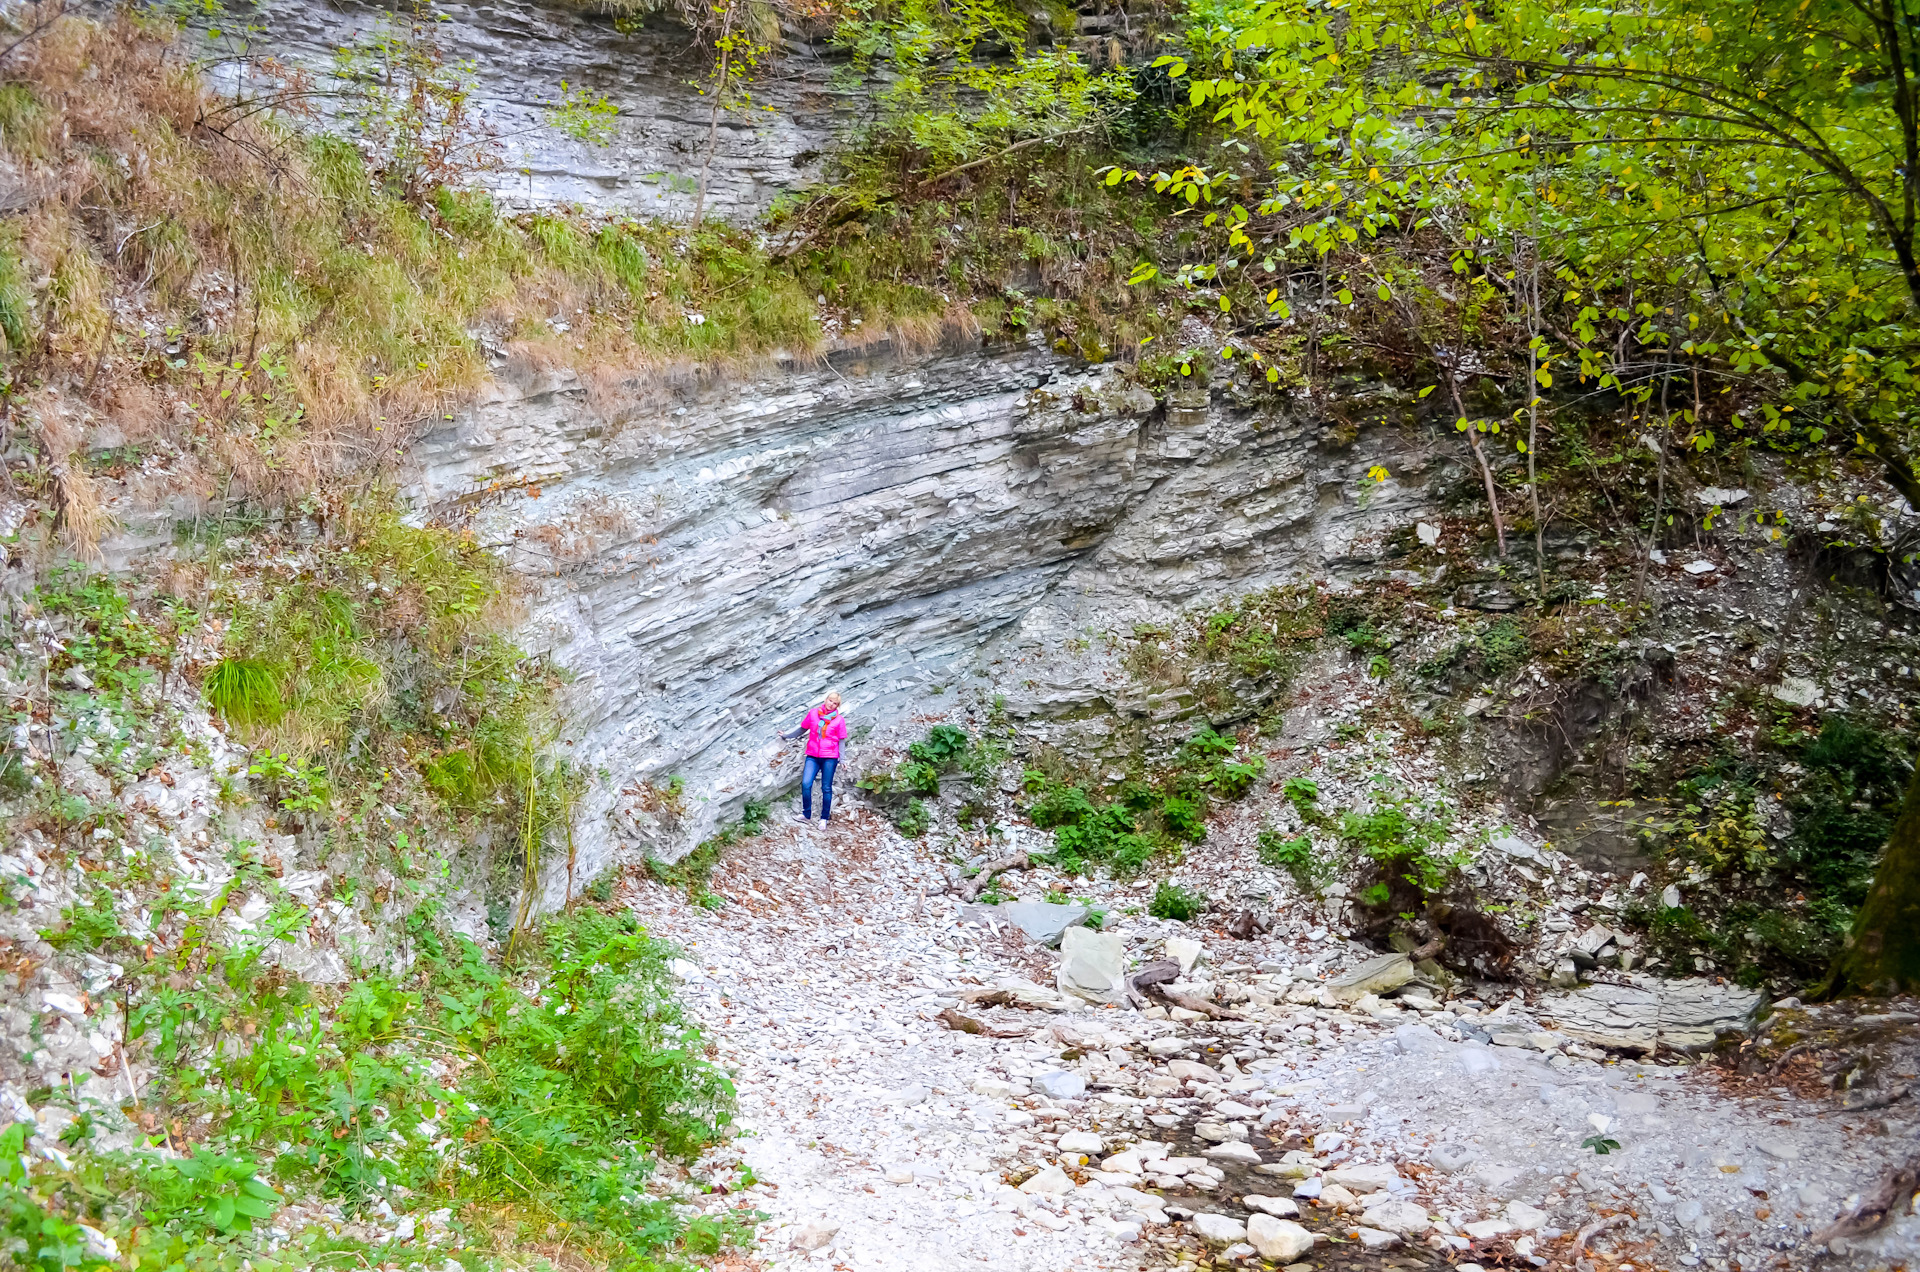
x=237 y=312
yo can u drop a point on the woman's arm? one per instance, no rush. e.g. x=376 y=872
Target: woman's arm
x=797 y=733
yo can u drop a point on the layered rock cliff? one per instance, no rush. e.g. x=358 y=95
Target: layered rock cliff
x=709 y=556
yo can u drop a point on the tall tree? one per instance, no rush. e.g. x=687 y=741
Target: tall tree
x=1735 y=183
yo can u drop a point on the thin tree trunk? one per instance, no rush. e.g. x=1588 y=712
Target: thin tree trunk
x=713 y=116
x=1659 y=497
x=1882 y=953
x=1533 y=414
x=1480 y=457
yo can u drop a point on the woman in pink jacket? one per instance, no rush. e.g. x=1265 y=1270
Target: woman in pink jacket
x=826 y=729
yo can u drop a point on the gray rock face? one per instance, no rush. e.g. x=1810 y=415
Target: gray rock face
x=709 y=557
x=521 y=51
x=1646 y=1013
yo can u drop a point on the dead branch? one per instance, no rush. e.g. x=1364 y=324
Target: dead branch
x=995 y=998
x=968 y=1025
x=1595 y=1228
x=972 y=888
x=1894 y=1190
x=1191 y=1003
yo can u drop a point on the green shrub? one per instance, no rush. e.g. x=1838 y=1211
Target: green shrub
x=1184 y=817
x=913 y=822
x=1311 y=870
x=90 y=925
x=1408 y=839
x=1170 y=901
x=1058 y=805
x=1233 y=780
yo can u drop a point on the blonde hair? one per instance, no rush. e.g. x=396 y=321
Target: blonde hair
x=833 y=696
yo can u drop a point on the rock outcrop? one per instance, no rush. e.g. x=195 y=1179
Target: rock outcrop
x=708 y=556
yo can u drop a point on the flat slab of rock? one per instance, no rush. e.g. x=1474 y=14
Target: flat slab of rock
x=1378 y=975
x=1043 y=921
x=1093 y=965
x=1647 y=1013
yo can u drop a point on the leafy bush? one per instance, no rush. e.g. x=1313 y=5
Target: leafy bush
x=1762 y=907
x=1311 y=870
x=90 y=924
x=1170 y=901
x=1184 y=817
x=213 y=1190
x=1407 y=838
x=914 y=821
x=1057 y=805
x=1233 y=780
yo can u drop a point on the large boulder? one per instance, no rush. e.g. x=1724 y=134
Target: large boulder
x=1647 y=1013
x=1380 y=975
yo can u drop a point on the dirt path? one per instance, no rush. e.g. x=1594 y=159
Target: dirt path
x=882 y=1139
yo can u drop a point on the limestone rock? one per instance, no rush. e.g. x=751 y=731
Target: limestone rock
x=1093 y=965
x=1646 y=1013
x=1278 y=1239
x=1377 y=975
x=1404 y=1218
x=1044 y=922
x=1184 y=951
x=1235 y=1151
x=1218 y=1229
x=1364 y=1179
x=1051 y=1182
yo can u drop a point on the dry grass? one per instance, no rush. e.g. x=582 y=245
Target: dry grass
x=242 y=302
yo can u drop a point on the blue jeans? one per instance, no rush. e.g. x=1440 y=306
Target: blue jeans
x=823 y=769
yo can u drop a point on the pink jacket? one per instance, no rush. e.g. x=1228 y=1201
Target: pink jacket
x=826 y=730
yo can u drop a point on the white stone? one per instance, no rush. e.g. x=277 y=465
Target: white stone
x=814 y=1234
x=1184 y=951
x=1364 y=1179
x=1406 y=1218
x=1375 y=1239
x=1234 y=1151
x=1080 y=1142
x=1051 y=1182
x=1278 y=1239
x=1278 y=1207
x=1525 y=1218
x=1218 y=1229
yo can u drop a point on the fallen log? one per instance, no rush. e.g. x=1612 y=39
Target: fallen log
x=968 y=1025
x=971 y=889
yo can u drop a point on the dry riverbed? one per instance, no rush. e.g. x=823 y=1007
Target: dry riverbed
x=1414 y=1129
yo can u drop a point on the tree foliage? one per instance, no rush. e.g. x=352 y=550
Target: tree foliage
x=1726 y=188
